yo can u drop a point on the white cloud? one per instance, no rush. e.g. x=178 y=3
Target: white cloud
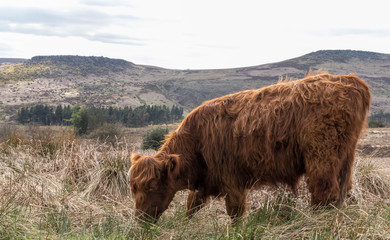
x=86 y=23
x=192 y=33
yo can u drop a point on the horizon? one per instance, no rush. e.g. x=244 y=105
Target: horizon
x=317 y=51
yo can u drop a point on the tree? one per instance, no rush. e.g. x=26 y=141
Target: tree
x=80 y=119
x=59 y=115
x=23 y=116
x=153 y=138
x=94 y=117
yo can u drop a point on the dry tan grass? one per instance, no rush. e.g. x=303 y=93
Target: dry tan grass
x=79 y=178
x=81 y=190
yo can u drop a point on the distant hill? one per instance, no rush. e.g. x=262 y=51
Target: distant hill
x=101 y=81
x=12 y=60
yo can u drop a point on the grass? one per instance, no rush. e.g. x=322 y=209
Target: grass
x=55 y=186
x=23 y=72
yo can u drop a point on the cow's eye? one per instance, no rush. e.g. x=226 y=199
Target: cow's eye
x=152 y=187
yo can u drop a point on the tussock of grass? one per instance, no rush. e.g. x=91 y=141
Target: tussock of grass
x=110 y=175
x=372 y=181
x=79 y=189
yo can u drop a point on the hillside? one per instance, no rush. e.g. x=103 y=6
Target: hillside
x=11 y=60
x=101 y=81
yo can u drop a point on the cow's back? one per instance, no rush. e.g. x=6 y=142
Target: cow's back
x=261 y=135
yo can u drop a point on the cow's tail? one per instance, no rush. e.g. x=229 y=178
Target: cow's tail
x=364 y=90
x=362 y=104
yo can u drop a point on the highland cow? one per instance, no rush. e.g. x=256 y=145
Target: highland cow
x=268 y=136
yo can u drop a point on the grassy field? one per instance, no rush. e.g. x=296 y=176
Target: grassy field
x=56 y=186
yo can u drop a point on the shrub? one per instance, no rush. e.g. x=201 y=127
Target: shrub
x=43 y=141
x=109 y=132
x=47 y=141
x=153 y=138
x=376 y=124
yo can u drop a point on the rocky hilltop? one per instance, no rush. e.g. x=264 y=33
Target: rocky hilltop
x=102 y=81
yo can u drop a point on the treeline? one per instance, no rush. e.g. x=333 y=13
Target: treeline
x=96 y=116
x=45 y=115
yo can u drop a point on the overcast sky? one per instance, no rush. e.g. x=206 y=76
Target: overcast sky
x=192 y=34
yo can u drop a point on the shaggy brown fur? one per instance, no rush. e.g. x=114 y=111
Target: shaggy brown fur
x=272 y=135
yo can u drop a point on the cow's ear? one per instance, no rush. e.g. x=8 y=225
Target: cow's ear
x=135 y=157
x=172 y=164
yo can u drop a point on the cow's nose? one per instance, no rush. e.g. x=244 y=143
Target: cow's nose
x=144 y=217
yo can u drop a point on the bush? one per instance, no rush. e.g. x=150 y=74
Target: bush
x=43 y=141
x=376 y=124
x=109 y=132
x=153 y=138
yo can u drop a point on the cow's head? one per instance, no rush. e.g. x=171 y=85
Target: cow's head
x=153 y=181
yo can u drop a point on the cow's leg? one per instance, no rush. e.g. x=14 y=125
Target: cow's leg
x=195 y=201
x=322 y=176
x=236 y=205
x=345 y=177
x=324 y=157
